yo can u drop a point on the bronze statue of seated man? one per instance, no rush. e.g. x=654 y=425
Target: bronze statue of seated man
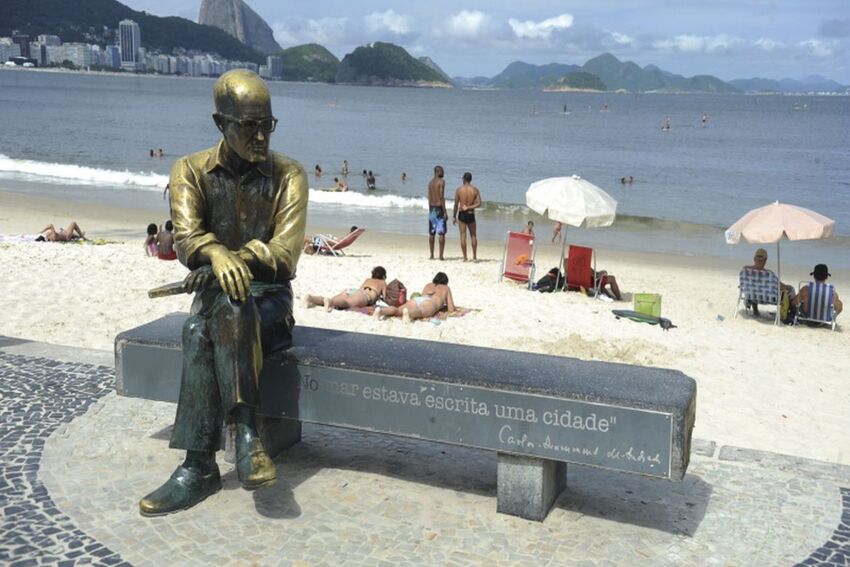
x=239 y=212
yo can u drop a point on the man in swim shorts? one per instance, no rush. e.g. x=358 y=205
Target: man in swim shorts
x=437 y=210
x=467 y=199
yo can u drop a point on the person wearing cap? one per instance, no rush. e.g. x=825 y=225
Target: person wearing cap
x=820 y=273
x=759 y=262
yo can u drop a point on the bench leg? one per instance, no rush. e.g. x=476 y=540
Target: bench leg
x=527 y=486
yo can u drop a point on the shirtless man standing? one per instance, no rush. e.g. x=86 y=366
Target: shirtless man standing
x=437 y=210
x=467 y=199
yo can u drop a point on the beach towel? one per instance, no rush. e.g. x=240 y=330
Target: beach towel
x=23 y=238
x=666 y=324
x=440 y=316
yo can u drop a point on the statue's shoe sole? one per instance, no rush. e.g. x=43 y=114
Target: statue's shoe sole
x=258 y=485
x=192 y=505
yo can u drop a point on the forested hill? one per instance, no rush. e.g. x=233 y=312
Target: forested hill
x=95 y=21
x=386 y=64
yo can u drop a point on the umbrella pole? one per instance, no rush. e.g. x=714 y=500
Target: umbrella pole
x=778 y=284
x=561 y=261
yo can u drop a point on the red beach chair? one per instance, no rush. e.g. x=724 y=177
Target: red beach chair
x=518 y=259
x=579 y=270
x=327 y=247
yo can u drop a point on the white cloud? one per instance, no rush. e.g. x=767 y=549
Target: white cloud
x=767 y=44
x=696 y=43
x=398 y=24
x=818 y=48
x=622 y=38
x=467 y=24
x=529 y=29
x=300 y=30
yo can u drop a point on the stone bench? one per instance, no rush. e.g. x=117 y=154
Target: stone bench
x=537 y=412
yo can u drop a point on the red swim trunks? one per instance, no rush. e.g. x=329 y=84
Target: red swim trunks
x=168 y=256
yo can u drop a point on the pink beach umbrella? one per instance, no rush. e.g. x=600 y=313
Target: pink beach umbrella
x=769 y=224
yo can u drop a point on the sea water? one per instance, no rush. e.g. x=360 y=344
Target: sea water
x=88 y=137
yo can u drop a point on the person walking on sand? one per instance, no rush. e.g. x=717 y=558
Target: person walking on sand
x=437 y=210
x=467 y=199
x=556 y=231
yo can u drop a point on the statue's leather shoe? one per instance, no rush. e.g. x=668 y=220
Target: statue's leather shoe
x=253 y=466
x=184 y=489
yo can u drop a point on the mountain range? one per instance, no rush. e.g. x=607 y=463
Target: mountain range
x=238 y=33
x=812 y=83
x=608 y=71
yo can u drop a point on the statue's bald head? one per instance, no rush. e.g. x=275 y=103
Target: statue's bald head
x=238 y=90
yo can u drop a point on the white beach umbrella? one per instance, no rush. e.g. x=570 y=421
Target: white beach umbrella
x=572 y=201
x=769 y=224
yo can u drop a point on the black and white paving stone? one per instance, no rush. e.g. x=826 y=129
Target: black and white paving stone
x=37 y=396
x=75 y=458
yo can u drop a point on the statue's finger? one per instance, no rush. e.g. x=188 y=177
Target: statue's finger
x=240 y=284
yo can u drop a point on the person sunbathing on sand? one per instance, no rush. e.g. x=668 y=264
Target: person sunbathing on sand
x=435 y=296
x=50 y=234
x=367 y=294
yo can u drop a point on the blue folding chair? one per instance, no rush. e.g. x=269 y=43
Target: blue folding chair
x=819 y=307
x=758 y=287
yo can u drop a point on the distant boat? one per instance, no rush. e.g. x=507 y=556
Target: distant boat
x=800 y=107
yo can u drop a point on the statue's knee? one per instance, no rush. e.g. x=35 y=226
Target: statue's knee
x=194 y=331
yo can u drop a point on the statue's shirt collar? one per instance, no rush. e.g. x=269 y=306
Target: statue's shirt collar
x=216 y=160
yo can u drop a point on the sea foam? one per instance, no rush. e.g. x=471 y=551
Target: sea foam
x=69 y=174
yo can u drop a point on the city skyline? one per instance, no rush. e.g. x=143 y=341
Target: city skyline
x=729 y=40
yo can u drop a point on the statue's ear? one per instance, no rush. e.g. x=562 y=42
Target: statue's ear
x=219 y=121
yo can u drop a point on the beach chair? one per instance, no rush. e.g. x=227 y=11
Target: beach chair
x=758 y=286
x=819 y=306
x=648 y=304
x=579 y=271
x=518 y=258
x=327 y=247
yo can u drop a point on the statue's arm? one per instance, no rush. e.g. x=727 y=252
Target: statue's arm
x=279 y=256
x=187 y=214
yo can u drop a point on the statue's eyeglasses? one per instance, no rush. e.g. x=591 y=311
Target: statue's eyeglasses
x=267 y=125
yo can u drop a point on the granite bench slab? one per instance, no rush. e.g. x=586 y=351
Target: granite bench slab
x=537 y=411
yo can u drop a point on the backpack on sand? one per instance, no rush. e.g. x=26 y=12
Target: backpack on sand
x=396 y=294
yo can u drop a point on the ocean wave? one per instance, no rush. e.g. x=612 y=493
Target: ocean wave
x=69 y=174
x=355 y=199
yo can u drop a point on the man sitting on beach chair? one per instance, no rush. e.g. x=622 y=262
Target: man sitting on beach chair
x=758 y=284
x=818 y=301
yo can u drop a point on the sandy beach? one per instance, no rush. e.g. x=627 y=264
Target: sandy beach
x=778 y=389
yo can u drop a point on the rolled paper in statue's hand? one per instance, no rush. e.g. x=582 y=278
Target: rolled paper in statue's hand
x=175 y=288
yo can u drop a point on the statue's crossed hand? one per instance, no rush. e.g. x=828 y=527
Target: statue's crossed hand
x=232 y=273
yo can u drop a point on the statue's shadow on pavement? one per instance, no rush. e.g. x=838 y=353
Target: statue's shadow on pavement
x=672 y=507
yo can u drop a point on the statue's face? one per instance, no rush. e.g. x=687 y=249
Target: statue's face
x=247 y=130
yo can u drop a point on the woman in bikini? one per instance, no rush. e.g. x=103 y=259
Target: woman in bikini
x=50 y=234
x=367 y=294
x=434 y=297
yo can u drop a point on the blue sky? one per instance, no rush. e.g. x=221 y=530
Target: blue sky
x=764 y=38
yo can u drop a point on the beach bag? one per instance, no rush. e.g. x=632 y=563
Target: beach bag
x=547 y=283
x=396 y=294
